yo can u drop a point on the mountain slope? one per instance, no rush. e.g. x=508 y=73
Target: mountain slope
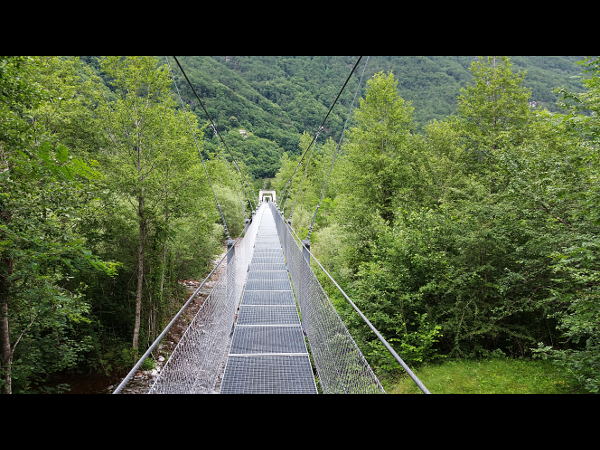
x=277 y=98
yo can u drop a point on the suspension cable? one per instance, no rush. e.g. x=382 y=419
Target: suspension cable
x=303 y=178
x=321 y=127
x=254 y=199
x=208 y=115
x=253 y=205
x=199 y=152
x=337 y=150
x=231 y=176
x=283 y=190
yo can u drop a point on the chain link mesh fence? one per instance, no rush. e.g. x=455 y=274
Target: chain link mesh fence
x=341 y=367
x=195 y=364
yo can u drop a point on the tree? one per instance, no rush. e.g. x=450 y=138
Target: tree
x=455 y=263
x=571 y=202
x=45 y=193
x=149 y=147
x=583 y=108
x=493 y=110
x=373 y=167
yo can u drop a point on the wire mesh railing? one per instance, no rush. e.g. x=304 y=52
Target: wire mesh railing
x=340 y=365
x=197 y=361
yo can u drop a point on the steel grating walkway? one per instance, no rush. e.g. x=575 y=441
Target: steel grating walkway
x=268 y=352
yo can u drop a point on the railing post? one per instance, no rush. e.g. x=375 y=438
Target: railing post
x=230 y=289
x=230 y=244
x=306 y=250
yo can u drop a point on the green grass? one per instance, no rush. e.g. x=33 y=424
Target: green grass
x=491 y=376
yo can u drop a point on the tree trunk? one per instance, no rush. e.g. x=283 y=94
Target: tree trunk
x=161 y=299
x=140 y=278
x=5 y=351
x=163 y=303
x=6 y=269
x=164 y=262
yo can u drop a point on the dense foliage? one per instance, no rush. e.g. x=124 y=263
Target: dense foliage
x=461 y=214
x=277 y=98
x=105 y=206
x=475 y=236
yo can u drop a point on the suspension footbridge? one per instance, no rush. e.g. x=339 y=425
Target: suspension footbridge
x=267 y=326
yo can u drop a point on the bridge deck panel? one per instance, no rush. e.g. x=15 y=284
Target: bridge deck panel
x=268 y=315
x=267 y=266
x=248 y=340
x=267 y=275
x=268 y=298
x=266 y=284
x=268 y=375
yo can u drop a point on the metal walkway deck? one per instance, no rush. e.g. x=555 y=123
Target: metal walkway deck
x=268 y=352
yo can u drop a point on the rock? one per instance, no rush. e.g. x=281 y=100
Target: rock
x=161 y=358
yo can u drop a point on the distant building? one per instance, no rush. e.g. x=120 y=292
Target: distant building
x=243 y=133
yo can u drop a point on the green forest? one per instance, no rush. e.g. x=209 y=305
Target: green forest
x=461 y=213
x=277 y=98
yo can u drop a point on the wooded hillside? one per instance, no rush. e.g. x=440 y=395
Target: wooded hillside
x=277 y=98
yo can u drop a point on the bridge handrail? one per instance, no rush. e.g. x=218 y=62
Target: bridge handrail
x=379 y=336
x=341 y=366
x=165 y=331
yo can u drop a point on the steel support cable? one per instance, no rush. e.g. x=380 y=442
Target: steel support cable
x=207 y=115
x=199 y=152
x=252 y=199
x=379 y=336
x=212 y=125
x=337 y=150
x=209 y=118
x=164 y=332
x=303 y=178
x=321 y=127
x=232 y=182
x=253 y=206
x=281 y=194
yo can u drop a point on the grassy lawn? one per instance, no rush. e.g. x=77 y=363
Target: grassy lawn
x=492 y=376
